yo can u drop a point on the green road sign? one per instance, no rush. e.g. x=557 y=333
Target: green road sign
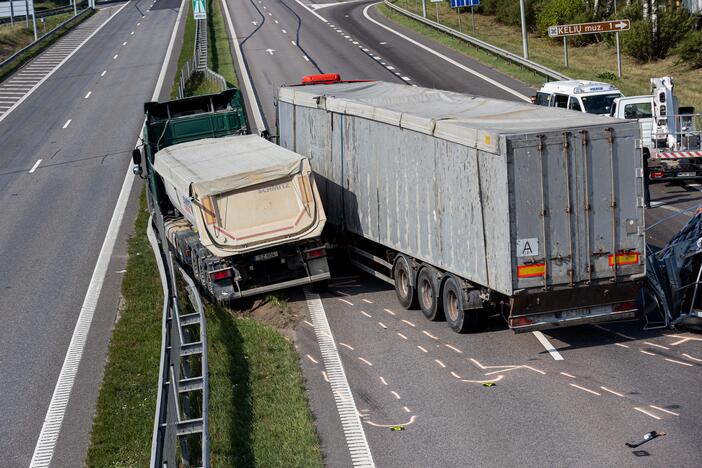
x=199 y=11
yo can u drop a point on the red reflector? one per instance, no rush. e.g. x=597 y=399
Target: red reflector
x=625 y=306
x=324 y=78
x=656 y=175
x=221 y=274
x=629 y=258
x=531 y=271
x=520 y=322
x=316 y=253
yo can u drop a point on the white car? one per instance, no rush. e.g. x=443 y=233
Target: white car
x=592 y=97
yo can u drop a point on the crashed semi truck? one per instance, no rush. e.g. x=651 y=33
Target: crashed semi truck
x=473 y=206
x=242 y=213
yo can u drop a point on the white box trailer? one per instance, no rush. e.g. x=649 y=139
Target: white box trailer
x=478 y=202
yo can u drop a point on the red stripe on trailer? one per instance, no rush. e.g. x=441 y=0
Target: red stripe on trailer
x=677 y=155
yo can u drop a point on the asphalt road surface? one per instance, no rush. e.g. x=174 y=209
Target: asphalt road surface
x=82 y=123
x=615 y=381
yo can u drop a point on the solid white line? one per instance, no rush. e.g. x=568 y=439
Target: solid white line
x=46 y=443
x=88 y=95
x=548 y=346
x=311 y=11
x=248 y=87
x=68 y=122
x=3 y=116
x=584 y=389
x=664 y=410
x=647 y=413
x=612 y=391
x=680 y=362
x=692 y=358
x=34 y=167
x=442 y=56
x=345 y=404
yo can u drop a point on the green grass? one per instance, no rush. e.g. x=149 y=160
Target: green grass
x=259 y=413
x=123 y=423
x=220 y=54
x=187 y=47
x=199 y=84
x=585 y=62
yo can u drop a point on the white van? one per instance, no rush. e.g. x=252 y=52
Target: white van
x=592 y=97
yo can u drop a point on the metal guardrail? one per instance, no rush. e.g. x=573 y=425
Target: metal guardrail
x=509 y=56
x=180 y=434
x=48 y=12
x=45 y=38
x=198 y=63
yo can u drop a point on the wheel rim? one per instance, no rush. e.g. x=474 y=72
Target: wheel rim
x=403 y=283
x=427 y=294
x=452 y=305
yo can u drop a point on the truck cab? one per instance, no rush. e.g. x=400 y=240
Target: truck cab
x=592 y=97
x=636 y=108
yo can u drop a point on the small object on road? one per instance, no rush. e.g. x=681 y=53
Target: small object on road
x=647 y=437
x=489 y=384
x=397 y=428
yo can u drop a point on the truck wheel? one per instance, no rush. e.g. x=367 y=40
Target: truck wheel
x=458 y=317
x=428 y=294
x=405 y=290
x=319 y=286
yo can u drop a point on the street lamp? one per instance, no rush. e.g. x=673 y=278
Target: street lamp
x=524 y=31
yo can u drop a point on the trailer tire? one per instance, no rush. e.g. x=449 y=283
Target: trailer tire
x=404 y=289
x=461 y=317
x=429 y=294
x=319 y=286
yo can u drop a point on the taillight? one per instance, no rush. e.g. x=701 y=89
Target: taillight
x=657 y=175
x=315 y=253
x=221 y=274
x=324 y=78
x=631 y=305
x=520 y=322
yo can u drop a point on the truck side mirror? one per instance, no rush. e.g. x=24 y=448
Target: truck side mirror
x=136 y=156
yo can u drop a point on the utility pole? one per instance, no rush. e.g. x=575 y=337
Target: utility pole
x=424 y=8
x=525 y=42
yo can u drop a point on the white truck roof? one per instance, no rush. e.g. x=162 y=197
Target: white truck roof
x=578 y=87
x=473 y=121
x=217 y=165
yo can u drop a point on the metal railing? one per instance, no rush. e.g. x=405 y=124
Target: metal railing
x=198 y=63
x=508 y=56
x=48 y=12
x=180 y=434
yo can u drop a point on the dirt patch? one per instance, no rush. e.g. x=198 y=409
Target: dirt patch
x=282 y=310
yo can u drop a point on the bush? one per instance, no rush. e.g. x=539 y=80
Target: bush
x=689 y=50
x=508 y=11
x=565 y=12
x=637 y=41
x=673 y=26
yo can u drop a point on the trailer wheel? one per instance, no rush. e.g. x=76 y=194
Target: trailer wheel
x=405 y=290
x=461 y=317
x=428 y=294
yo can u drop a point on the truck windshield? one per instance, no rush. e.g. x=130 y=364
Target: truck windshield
x=599 y=104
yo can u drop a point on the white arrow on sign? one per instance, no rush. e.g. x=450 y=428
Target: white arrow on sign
x=620 y=25
x=270 y=51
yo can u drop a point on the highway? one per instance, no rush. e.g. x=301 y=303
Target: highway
x=418 y=387
x=65 y=152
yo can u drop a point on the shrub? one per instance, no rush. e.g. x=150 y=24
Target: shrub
x=637 y=41
x=508 y=12
x=689 y=50
x=559 y=12
x=607 y=76
x=673 y=26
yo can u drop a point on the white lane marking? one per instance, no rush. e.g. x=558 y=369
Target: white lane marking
x=248 y=87
x=680 y=362
x=548 y=346
x=496 y=379
x=534 y=369
x=503 y=370
x=585 y=389
x=612 y=391
x=455 y=375
x=124 y=43
x=424 y=350
x=345 y=404
x=620 y=345
x=53 y=70
x=88 y=95
x=683 y=339
x=646 y=413
x=131 y=33
x=382 y=325
x=366 y=314
x=365 y=361
x=103 y=73
x=453 y=348
x=293 y=43
x=442 y=56
x=283 y=31
x=389 y=311
x=664 y=410
x=312 y=359
x=429 y=335
x=568 y=375
x=336 y=291
x=34 y=167
x=440 y=363
x=656 y=345
x=382 y=380
x=475 y=361
x=306 y=58
x=138 y=24
x=367 y=301
x=346 y=346
x=46 y=443
x=308 y=323
x=68 y=122
x=303 y=5
x=345 y=301
x=409 y=323
x=390 y=67
x=407 y=410
x=401 y=336
x=692 y=358
x=371 y=423
x=647 y=352
x=395 y=394
x=270 y=14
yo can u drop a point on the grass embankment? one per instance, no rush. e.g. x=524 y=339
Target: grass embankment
x=187 y=47
x=584 y=62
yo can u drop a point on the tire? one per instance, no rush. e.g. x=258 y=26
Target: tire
x=459 y=318
x=429 y=294
x=404 y=289
x=319 y=286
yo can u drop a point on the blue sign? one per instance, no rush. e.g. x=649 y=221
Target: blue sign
x=464 y=3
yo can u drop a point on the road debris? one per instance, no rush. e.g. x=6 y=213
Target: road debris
x=647 y=437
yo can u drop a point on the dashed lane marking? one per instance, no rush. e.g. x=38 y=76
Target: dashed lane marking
x=345 y=301
x=68 y=122
x=568 y=375
x=382 y=380
x=389 y=311
x=423 y=349
x=455 y=375
x=366 y=314
x=366 y=361
x=367 y=301
x=440 y=363
x=534 y=369
x=395 y=394
x=312 y=359
x=103 y=73
x=401 y=336
x=409 y=323
x=34 y=167
x=612 y=391
x=679 y=362
x=664 y=410
x=453 y=348
x=692 y=358
x=346 y=346
x=621 y=345
x=407 y=410
x=88 y=95
x=647 y=352
x=646 y=413
x=656 y=345
x=496 y=379
x=548 y=346
x=382 y=325
x=585 y=389
x=430 y=335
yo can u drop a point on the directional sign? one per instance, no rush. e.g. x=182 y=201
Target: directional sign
x=588 y=28
x=199 y=10
x=17 y=7
x=464 y=3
